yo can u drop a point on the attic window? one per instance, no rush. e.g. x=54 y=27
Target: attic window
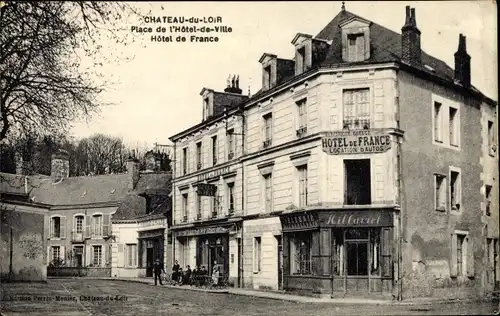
x=355 y=47
x=206 y=106
x=301 y=59
x=267 y=76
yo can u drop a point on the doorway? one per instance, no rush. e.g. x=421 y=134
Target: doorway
x=357 y=263
x=78 y=256
x=149 y=261
x=280 y=262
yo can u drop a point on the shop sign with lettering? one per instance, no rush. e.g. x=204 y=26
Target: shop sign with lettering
x=202 y=231
x=155 y=233
x=298 y=221
x=356 y=142
x=213 y=174
x=154 y=222
x=356 y=219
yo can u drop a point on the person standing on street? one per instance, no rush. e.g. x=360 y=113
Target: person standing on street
x=158 y=268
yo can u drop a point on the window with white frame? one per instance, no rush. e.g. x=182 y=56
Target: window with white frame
x=185 y=199
x=97 y=225
x=79 y=224
x=454 y=126
x=268 y=129
x=487 y=193
x=267 y=77
x=131 y=255
x=356 y=108
x=355 y=47
x=300 y=253
x=56 y=253
x=461 y=259
x=268 y=192
x=257 y=254
x=231 y=148
x=215 y=201
x=438 y=122
x=56 y=227
x=301 y=59
x=440 y=194
x=214 y=150
x=230 y=196
x=302 y=185
x=302 y=116
x=184 y=160
x=97 y=255
x=455 y=190
x=199 y=156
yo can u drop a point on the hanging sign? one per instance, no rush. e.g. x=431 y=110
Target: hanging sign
x=356 y=142
x=206 y=189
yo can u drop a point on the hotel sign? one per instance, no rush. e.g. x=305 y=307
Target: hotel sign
x=356 y=219
x=202 y=231
x=213 y=174
x=356 y=142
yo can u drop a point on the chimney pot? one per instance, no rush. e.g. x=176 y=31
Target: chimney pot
x=411 y=52
x=408 y=16
x=462 y=62
x=413 y=18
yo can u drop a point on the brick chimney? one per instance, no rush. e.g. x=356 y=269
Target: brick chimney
x=233 y=85
x=60 y=165
x=411 y=53
x=132 y=171
x=462 y=62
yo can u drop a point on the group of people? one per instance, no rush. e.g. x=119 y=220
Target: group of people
x=198 y=276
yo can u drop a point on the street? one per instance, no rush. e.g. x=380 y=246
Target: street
x=103 y=297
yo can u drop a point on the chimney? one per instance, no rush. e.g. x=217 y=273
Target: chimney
x=235 y=85
x=60 y=165
x=411 y=52
x=132 y=171
x=462 y=62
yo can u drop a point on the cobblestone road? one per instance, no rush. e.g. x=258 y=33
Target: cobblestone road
x=94 y=298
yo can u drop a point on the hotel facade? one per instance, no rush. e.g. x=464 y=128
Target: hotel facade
x=362 y=167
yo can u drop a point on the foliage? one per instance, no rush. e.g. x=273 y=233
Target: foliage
x=57 y=262
x=31 y=245
x=51 y=57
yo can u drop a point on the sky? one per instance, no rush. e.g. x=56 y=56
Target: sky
x=157 y=93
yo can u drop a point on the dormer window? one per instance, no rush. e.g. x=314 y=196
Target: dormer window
x=355 y=40
x=301 y=58
x=267 y=77
x=208 y=103
x=303 y=51
x=269 y=66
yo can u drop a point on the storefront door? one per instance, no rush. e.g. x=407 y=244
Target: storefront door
x=149 y=262
x=357 y=261
x=280 y=262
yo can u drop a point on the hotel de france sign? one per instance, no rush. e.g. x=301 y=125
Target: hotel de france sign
x=356 y=142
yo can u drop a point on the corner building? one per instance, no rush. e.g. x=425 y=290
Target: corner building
x=369 y=168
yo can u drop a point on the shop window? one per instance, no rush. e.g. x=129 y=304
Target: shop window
x=375 y=252
x=338 y=252
x=357 y=182
x=300 y=253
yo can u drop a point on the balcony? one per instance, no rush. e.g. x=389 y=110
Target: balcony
x=267 y=143
x=77 y=236
x=301 y=132
x=230 y=155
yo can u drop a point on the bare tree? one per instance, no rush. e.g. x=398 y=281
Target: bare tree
x=101 y=154
x=50 y=56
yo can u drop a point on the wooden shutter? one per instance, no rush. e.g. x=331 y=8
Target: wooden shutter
x=286 y=255
x=51 y=228
x=62 y=227
x=62 y=253
x=470 y=256
x=49 y=254
x=106 y=231
x=88 y=220
x=387 y=242
x=88 y=255
x=453 y=263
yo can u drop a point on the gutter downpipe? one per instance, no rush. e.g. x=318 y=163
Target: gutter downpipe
x=243 y=132
x=402 y=198
x=174 y=193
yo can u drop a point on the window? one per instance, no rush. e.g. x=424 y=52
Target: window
x=214 y=150
x=454 y=126
x=300 y=253
x=356 y=47
x=356 y=109
x=438 y=122
x=487 y=194
x=78 y=256
x=230 y=144
x=302 y=59
x=230 y=196
x=56 y=227
x=184 y=160
x=302 y=177
x=268 y=192
x=257 y=254
x=267 y=77
x=455 y=190
x=79 y=224
x=184 y=207
x=461 y=260
x=131 y=255
x=56 y=253
x=268 y=130
x=97 y=256
x=206 y=105
x=440 y=194
x=491 y=139
x=199 y=207
x=97 y=225
x=357 y=177
x=302 y=117
x=215 y=202
x=199 y=157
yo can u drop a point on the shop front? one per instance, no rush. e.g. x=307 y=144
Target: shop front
x=151 y=247
x=338 y=252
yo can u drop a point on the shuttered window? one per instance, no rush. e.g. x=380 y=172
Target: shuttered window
x=356 y=103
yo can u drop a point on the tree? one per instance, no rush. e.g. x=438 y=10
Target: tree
x=50 y=54
x=101 y=154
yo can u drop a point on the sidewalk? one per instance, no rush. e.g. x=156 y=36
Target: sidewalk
x=289 y=297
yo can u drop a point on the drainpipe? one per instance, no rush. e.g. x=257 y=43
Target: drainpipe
x=174 y=176
x=402 y=201
x=243 y=132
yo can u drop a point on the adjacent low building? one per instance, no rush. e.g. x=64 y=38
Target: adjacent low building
x=365 y=167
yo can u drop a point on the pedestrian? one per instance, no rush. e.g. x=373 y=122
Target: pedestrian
x=175 y=271
x=158 y=268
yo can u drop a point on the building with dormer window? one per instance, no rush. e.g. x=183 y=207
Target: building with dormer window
x=367 y=169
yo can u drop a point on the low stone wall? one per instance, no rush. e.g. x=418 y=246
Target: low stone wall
x=78 y=272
